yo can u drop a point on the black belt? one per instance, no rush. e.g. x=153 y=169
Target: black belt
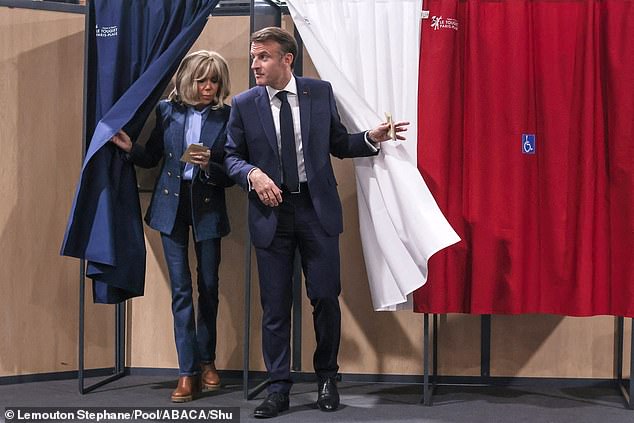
x=303 y=189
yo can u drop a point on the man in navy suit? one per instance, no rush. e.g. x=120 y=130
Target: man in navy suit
x=280 y=136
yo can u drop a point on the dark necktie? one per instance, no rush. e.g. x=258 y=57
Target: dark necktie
x=289 y=155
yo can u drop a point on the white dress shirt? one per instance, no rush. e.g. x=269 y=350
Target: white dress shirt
x=193 y=126
x=276 y=105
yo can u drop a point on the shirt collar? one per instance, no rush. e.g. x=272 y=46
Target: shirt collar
x=203 y=112
x=291 y=87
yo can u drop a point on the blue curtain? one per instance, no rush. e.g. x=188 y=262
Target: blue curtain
x=134 y=49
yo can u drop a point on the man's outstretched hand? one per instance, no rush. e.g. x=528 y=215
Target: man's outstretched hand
x=382 y=132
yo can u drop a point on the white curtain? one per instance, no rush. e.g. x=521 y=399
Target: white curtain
x=368 y=50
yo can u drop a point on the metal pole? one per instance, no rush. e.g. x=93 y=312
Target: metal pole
x=619 y=348
x=120 y=339
x=628 y=393
x=297 y=272
x=82 y=263
x=435 y=350
x=247 y=309
x=631 y=383
x=426 y=389
x=254 y=26
x=297 y=313
x=485 y=345
x=80 y=348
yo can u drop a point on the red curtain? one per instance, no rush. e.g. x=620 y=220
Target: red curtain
x=526 y=139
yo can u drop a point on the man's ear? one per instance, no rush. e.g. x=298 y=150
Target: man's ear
x=288 y=58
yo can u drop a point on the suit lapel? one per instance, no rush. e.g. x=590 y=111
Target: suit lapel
x=263 y=105
x=212 y=127
x=303 y=96
x=178 y=134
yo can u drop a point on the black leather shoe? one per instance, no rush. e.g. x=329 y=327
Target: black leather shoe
x=327 y=394
x=274 y=404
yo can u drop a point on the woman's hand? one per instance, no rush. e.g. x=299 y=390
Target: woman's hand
x=201 y=158
x=122 y=140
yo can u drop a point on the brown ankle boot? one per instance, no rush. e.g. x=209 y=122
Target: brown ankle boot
x=188 y=389
x=210 y=377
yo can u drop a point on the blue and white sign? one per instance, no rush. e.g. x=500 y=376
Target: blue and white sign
x=528 y=143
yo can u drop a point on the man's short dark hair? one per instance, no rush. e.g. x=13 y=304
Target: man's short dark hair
x=281 y=36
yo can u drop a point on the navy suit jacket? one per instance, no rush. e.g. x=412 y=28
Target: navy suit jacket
x=209 y=212
x=251 y=142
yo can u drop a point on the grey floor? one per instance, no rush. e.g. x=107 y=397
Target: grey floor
x=361 y=402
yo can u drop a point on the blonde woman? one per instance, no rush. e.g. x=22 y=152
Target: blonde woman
x=190 y=195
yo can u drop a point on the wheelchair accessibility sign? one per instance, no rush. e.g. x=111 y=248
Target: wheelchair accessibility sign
x=528 y=143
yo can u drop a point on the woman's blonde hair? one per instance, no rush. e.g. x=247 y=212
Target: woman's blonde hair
x=196 y=67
